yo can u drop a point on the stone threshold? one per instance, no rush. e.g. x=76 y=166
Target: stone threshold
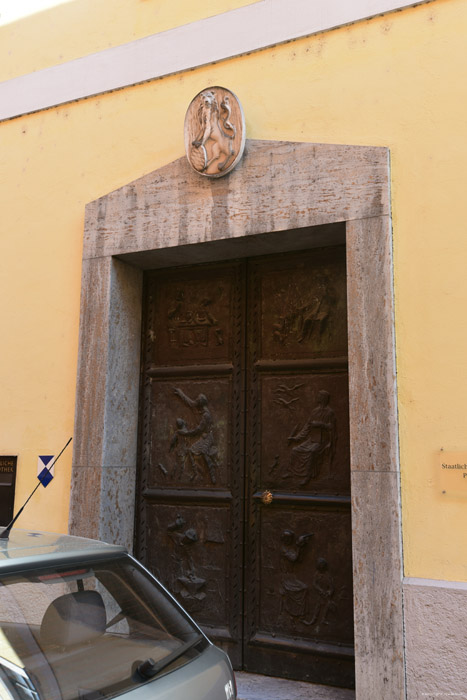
x=251 y=686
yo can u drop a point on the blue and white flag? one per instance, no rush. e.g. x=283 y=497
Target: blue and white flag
x=45 y=475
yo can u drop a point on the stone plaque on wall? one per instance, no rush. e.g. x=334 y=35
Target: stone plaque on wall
x=453 y=473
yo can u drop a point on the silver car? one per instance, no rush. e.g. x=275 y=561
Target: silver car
x=83 y=620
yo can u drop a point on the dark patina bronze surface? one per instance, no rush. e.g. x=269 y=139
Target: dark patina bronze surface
x=245 y=480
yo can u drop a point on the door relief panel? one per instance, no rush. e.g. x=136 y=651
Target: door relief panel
x=190 y=445
x=192 y=319
x=190 y=555
x=304 y=432
x=311 y=597
x=303 y=307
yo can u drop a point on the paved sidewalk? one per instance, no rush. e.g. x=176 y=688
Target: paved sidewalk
x=253 y=687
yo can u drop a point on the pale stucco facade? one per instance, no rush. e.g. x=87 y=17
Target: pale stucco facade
x=88 y=111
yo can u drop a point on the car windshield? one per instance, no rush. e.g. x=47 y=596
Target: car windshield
x=88 y=631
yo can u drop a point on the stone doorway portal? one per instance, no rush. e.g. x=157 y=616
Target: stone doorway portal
x=173 y=217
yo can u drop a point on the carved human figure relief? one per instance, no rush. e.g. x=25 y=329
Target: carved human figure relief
x=189 y=585
x=313 y=444
x=294 y=592
x=307 y=314
x=324 y=589
x=191 y=323
x=214 y=132
x=195 y=446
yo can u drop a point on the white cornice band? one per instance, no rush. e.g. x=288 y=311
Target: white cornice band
x=249 y=28
x=435 y=583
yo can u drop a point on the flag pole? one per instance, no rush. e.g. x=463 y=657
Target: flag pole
x=6 y=532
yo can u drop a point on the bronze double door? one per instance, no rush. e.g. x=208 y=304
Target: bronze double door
x=244 y=486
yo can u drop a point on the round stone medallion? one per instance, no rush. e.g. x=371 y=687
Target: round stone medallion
x=214 y=132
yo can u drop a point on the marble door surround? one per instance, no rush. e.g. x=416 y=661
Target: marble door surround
x=282 y=196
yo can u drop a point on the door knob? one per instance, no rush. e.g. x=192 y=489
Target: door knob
x=266 y=497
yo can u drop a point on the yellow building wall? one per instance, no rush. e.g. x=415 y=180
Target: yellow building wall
x=81 y=27
x=397 y=81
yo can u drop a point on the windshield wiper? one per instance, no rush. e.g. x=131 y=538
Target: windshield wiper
x=150 y=668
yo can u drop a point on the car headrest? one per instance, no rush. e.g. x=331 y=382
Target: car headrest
x=74 y=618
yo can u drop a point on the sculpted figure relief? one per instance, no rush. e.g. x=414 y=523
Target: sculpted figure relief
x=216 y=128
x=294 y=593
x=195 y=446
x=189 y=586
x=314 y=443
x=307 y=604
x=323 y=585
x=308 y=314
x=191 y=322
x=214 y=132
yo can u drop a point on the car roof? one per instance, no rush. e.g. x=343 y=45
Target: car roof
x=26 y=549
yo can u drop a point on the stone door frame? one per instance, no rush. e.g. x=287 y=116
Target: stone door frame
x=282 y=196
